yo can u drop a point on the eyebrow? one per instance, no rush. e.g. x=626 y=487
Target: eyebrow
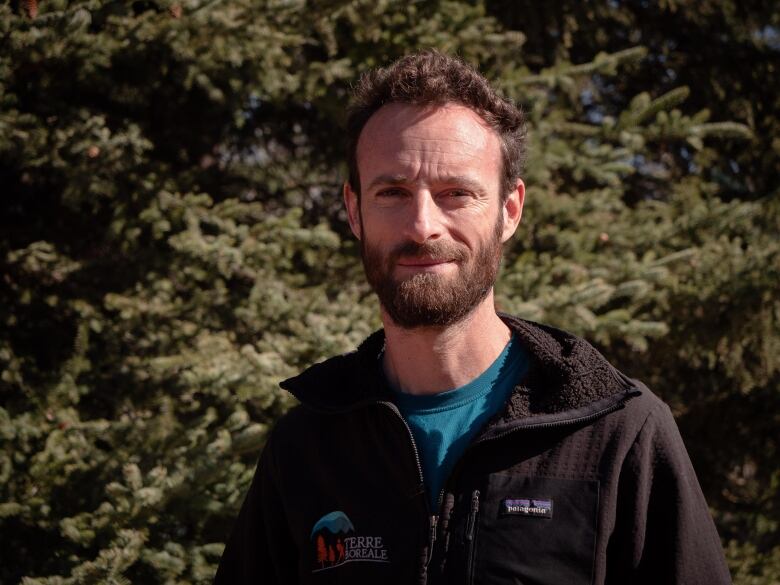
x=460 y=180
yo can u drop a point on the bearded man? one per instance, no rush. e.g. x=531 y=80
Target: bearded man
x=459 y=445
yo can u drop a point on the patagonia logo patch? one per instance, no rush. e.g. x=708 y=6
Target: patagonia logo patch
x=537 y=507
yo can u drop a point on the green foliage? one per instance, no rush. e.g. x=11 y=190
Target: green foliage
x=173 y=246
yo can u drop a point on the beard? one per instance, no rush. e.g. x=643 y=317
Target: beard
x=429 y=299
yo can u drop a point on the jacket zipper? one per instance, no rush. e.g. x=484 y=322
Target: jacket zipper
x=433 y=517
x=471 y=533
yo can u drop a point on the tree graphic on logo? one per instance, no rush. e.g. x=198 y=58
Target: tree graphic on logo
x=327 y=536
x=322 y=553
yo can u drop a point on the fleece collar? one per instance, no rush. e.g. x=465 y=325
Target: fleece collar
x=567 y=377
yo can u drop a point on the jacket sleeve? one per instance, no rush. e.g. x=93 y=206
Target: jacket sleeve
x=665 y=533
x=260 y=549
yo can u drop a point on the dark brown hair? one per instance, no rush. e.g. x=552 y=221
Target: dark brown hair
x=430 y=78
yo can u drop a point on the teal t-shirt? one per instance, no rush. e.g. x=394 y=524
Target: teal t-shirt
x=444 y=424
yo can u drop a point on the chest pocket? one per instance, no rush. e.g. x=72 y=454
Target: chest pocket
x=535 y=531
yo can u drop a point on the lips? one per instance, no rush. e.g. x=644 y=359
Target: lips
x=435 y=255
x=423 y=262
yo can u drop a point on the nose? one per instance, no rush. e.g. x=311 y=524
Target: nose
x=424 y=221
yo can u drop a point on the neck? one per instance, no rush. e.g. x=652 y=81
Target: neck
x=428 y=360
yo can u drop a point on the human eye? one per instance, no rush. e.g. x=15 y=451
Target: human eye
x=458 y=194
x=390 y=193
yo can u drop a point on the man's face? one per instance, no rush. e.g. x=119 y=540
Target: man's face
x=430 y=219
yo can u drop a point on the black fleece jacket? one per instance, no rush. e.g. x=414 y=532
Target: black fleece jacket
x=582 y=479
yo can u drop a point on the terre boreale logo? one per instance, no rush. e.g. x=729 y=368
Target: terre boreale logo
x=337 y=543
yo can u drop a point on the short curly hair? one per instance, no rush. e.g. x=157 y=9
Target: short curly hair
x=431 y=77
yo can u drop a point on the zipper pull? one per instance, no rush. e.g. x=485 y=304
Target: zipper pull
x=446 y=512
x=432 y=539
x=434 y=521
x=472 y=521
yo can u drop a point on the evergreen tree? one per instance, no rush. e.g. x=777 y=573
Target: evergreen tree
x=173 y=246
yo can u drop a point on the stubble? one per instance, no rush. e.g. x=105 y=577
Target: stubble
x=429 y=299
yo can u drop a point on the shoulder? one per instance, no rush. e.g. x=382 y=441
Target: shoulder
x=341 y=381
x=647 y=409
x=653 y=434
x=647 y=404
x=297 y=421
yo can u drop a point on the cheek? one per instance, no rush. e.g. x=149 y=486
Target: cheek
x=473 y=231
x=378 y=224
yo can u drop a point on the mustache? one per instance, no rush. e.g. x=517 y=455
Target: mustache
x=436 y=250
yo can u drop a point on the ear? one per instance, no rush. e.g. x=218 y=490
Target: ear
x=513 y=210
x=352 y=203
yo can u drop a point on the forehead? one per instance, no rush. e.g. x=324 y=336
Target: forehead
x=427 y=141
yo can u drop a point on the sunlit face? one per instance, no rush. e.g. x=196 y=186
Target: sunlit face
x=430 y=218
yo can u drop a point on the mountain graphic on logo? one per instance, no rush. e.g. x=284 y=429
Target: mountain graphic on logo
x=335 y=522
